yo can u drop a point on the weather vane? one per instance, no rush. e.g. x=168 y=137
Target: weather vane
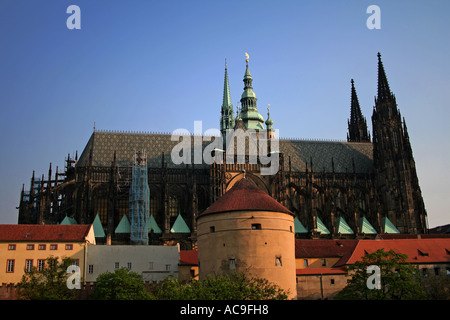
x=247 y=57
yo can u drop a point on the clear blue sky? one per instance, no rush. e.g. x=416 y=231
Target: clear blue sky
x=158 y=66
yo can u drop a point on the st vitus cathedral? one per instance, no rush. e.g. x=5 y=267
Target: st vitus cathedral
x=355 y=189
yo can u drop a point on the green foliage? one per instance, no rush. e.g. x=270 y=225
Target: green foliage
x=121 y=284
x=237 y=286
x=48 y=284
x=436 y=287
x=399 y=279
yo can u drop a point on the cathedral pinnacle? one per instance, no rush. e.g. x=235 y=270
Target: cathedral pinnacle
x=269 y=122
x=357 y=125
x=384 y=91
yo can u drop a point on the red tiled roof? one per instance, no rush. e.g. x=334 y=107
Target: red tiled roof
x=315 y=248
x=189 y=257
x=316 y=271
x=34 y=232
x=244 y=195
x=417 y=250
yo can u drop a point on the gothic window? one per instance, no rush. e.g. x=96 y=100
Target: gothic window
x=174 y=206
x=123 y=205
x=362 y=204
x=101 y=208
x=339 y=200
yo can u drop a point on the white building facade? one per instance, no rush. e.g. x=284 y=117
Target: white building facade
x=154 y=263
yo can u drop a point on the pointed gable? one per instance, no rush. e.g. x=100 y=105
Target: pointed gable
x=98 y=228
x=123 y=226
x=152 y=226
x=298 y=226
x=180 y=226
x=388 y=226
x=68 y=221
x=366 y=227
x=321 y=227
x=343 y=227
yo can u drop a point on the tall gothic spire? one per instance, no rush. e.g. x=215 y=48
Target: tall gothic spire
x=226 y=104
x=384 y=93
x=227 y=120
x=357 y=125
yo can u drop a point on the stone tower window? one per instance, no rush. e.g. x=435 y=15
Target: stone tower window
x=278 y=261
x=232 y=263
x=256 y=226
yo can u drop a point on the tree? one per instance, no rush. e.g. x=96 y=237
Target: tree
x=50 y=283
x=436 y=287
x=237 y=286
x=399 y=279
x=122 y=284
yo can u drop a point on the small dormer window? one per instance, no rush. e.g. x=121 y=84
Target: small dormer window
x=422 y=253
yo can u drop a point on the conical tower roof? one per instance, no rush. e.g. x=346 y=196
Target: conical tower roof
x=245 y=196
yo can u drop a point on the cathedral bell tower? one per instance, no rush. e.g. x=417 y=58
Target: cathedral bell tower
x=249 y=112
x=395 y=176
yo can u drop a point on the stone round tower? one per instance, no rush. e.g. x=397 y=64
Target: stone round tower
x=248 y=231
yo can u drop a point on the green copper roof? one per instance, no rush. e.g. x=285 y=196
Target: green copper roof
x=226 y=104
x=69 y=221
x=366 y=227
x=98 y=228
x=180 y=226
x=343 y=227
x=298 y=226
x=321 y=227
x=388 y=226
x=269 y=122
x=123 y=226
x=152 y=225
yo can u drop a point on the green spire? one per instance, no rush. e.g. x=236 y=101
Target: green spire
x=249 y=112
x=226 y=104
x=269 y=122
x=227 y=116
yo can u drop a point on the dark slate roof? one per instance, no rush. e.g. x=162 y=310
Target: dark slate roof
x=322 y=154
x=245 y=196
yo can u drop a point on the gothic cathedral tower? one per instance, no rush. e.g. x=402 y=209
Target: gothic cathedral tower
x=357 y=125
x=227 y=120
x=395 y=176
